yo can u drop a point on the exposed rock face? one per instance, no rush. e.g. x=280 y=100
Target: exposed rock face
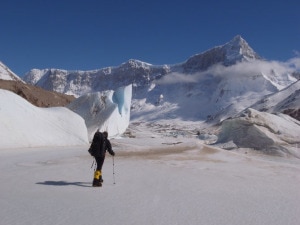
x=78 y=83
x=36 y=95
x=237 y=50
x=295 y=113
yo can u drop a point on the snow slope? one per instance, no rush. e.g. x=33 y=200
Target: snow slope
x=7 y=74
x=287 y=98
x=25 y=125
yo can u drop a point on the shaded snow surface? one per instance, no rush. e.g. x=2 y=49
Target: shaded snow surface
x=25 y=125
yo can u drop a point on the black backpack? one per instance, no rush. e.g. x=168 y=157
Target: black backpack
x=96 y=143
x=92 y=150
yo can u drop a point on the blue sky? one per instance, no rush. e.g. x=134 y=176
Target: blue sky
x=92 y=34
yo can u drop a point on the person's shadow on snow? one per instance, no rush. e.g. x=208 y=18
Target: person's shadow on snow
x=65 y=183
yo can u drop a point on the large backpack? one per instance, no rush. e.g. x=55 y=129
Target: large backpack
x=96 y=147
x=92 y=150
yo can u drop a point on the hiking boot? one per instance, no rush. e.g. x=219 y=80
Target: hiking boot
x=97 y=179
x=97 y=183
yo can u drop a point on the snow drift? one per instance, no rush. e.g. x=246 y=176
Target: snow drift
x=25 y=125
x=274 y=134
x=108 y=110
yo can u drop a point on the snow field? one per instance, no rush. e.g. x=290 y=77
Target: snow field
x=189 y=185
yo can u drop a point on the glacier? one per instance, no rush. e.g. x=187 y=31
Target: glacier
x=107 y=111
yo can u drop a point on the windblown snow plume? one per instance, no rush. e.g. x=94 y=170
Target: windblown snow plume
x=109 y=110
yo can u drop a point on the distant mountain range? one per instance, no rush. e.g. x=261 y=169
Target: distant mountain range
x=136 y=72
x=210 y=86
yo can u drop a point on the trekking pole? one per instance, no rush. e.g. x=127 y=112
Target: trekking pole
x=114 y=169
x=93 y=163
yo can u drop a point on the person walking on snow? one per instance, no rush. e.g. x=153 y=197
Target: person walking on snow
x=100 y=144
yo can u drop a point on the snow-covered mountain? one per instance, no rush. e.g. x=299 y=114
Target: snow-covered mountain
x=285 y=99
x=235 y=51
x=7 y=74
x=141 y=74
x=81 y=82
x=212 y=86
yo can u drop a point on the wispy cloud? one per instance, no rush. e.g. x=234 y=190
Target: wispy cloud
x=239 y=70
x=294 y=63
x=256 y=67
x=297 y=53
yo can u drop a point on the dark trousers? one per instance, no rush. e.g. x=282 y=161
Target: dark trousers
x=99 y=161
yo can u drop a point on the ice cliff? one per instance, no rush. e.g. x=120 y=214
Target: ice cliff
x=108 y=110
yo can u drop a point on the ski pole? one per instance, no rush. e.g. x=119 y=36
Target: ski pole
x=93 y=164
x=114 y=169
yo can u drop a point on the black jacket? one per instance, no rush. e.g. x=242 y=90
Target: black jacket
x=100 y=145
x=107 y=147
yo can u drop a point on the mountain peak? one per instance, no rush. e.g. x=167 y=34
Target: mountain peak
x=234 y=51
x=239 y=50
x=238 y=42
x=135 y=63
x=238 y=39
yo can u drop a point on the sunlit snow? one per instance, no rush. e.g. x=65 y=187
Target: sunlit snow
x=153 y=179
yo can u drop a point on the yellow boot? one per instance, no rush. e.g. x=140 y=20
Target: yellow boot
x=96 y=181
